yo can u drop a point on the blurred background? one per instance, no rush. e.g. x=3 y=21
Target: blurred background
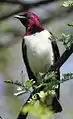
x=55 y=18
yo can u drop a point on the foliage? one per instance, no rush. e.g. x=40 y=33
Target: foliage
x=68 y=3
x=71 y=25
x=49 y=82
x=67 y=40
x=38 y=105
x=38 y=108
x=67 y=76
x=43 y=89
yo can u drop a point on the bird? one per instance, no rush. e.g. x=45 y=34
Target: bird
x=38 y=50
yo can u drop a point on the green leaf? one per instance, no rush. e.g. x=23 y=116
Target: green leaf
x=67 y=40
x=67 y=76
x=71 y=25
x=68 y=3
x=38 y=109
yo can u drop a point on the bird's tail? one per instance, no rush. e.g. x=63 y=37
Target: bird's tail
x=56 y=106
x=55 y=100
x=57 y=90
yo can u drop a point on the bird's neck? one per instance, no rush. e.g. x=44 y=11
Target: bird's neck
x=33 y=29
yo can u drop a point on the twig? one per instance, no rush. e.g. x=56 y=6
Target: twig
x=10 y=14
x=12 y=2
x=19 y=93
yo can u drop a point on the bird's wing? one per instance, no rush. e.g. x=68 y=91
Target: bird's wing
x=55 y=50
x=56 y=57
x=25 y=59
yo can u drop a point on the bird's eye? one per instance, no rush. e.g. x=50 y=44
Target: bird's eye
x=25 y=15
x=29 y=16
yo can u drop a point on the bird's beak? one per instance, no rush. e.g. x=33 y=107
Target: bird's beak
x=19 y=17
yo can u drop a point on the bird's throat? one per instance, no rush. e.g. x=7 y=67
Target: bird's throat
x=33 y=30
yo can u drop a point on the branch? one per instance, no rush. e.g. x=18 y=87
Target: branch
x=11 y=14
x=24 y=7
x=12 y=2
x=25 y=3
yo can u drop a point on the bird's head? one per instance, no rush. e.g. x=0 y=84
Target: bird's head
x=31 y=21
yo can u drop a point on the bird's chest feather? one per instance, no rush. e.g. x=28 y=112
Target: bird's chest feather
x=39 y=52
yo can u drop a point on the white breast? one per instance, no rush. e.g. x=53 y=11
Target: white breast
x=39 y=51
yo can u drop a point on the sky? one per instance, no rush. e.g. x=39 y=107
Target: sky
x=67 y=66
